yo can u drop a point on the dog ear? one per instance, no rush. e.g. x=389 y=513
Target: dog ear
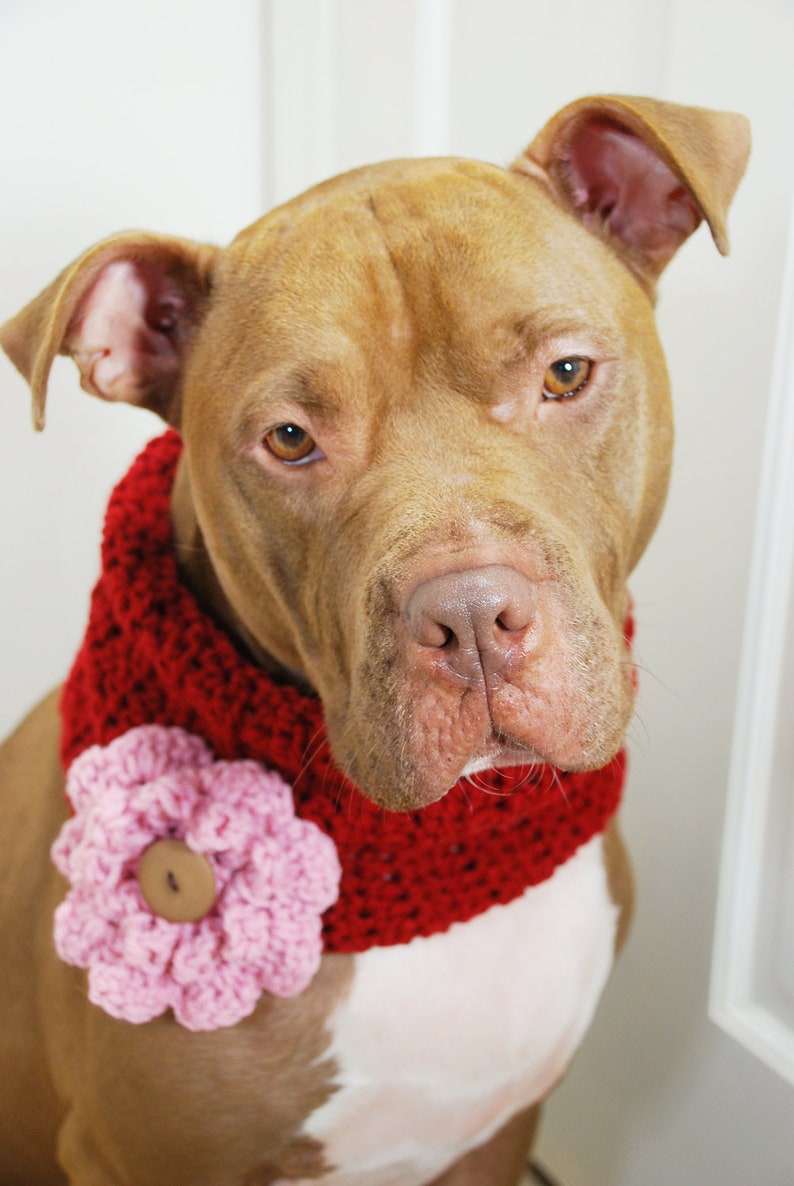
x=642 y=173
x=126 y=312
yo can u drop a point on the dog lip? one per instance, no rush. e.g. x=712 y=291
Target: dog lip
x=500 y=751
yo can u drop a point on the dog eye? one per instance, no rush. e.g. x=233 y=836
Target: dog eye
x=291 y=444
x=566 y=377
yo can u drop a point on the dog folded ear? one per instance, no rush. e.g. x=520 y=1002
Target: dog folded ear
x=642 y=173
x=126 y=312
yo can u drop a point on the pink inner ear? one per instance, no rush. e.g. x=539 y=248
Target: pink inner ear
x=620 y=183
x=125 y=338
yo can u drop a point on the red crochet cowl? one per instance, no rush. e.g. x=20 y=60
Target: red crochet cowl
x=151 y=655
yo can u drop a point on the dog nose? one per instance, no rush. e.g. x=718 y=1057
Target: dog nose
x=474 y=620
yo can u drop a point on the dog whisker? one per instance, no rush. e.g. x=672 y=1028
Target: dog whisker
x=559 y=785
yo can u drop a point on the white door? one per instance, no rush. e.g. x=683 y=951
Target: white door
x=186 y=117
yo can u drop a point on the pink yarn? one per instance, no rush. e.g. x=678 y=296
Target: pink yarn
x=275 y=874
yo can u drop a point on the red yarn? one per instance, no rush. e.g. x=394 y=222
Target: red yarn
x=150 y=655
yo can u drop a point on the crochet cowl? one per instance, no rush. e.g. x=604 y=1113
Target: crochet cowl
x=152 y=656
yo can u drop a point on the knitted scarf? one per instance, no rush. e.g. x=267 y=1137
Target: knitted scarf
x=152 y=656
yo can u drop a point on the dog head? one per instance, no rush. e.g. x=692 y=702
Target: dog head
x=427 y=429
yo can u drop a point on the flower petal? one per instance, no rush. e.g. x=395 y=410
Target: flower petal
x=276 y=874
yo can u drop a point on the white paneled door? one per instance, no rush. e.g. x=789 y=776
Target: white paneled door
x=190 y=117
x=753 y=973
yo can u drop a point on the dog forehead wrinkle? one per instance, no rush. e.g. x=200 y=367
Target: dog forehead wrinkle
x=441 y=219
x=479 y=314
x=314 y=389
x=372 y=205
x=354 y=342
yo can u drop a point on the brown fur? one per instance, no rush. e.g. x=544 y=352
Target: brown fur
x=405 y=316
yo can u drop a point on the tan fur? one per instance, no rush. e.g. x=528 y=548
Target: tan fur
x=620 y=879
x=405 y=316
x=502 y=1159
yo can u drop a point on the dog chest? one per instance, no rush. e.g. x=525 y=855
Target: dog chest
x=441 y=1040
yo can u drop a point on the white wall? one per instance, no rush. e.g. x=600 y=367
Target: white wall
x=163 y=118
x=113 y=116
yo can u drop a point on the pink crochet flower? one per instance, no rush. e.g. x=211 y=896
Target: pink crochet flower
x=275 y=874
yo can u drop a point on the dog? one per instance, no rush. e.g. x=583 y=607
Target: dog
x=375 y=625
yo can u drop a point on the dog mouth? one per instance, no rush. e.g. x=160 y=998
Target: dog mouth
x=418 y=777
x=427 y=736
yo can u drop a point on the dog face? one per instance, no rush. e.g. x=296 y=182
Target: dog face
x=442 y=374
x=427 y=433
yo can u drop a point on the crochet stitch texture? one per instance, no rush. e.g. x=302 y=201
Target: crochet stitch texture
x=274 y=876
x=152 y=656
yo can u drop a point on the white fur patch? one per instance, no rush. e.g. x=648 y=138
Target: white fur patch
x=441 y=1040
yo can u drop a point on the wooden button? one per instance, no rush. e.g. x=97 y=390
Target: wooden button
x=177 y=883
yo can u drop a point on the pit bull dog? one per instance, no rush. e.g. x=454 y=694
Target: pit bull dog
x=335 y=873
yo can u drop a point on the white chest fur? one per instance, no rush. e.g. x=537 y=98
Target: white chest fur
x=440 y=1041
